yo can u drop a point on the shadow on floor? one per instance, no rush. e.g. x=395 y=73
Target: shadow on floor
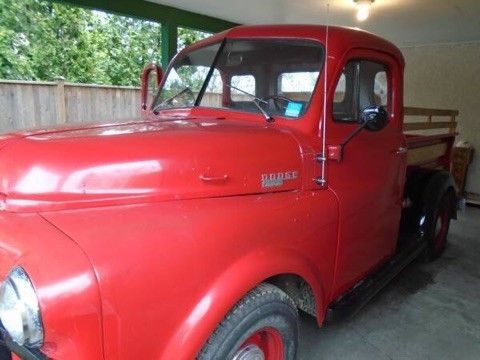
x=430 y=311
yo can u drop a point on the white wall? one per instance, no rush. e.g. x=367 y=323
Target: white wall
x=448 y=77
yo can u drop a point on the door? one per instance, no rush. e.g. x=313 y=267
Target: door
x=369 y=180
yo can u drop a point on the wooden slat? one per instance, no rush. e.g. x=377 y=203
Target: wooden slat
x=97 y=86
x=27 y=82
x=60 y=97
x=473 y=199
x=416 y=111
x=429 y=125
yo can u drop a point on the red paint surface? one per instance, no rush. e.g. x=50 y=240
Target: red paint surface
x=136 y=254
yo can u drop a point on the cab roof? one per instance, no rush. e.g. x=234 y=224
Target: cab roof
x=341 y=39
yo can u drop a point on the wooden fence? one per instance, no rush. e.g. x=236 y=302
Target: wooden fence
x=28 y=104
x=33 y=104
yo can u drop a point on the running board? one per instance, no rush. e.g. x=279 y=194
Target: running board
x=352 y=301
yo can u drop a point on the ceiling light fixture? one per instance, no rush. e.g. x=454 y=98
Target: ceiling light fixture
x=363 y=9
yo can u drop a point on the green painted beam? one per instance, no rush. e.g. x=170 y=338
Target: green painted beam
x=169 y=42
x=156 y=12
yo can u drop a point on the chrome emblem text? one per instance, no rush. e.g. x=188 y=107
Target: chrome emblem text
x=277 y=179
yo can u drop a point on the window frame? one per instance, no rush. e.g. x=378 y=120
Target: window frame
x=222 y=42
x=356 y=92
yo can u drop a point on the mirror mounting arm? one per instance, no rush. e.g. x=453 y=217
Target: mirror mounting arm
x=144 y=82
x=353 y=134
x=374 y=118
x=335 y=152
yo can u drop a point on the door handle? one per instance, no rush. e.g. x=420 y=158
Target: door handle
x=218 y=179
x=401 y=150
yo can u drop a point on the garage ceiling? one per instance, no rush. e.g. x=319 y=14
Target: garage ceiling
x=405 y=22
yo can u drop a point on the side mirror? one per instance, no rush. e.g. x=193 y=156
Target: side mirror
x=146 y=82
x=374 y=118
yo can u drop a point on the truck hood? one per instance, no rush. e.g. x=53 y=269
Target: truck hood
x=145 y=161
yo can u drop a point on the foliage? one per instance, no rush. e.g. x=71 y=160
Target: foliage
x=187 y=37
x=40 y=40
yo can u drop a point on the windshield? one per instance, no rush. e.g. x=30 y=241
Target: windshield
x=274 y=77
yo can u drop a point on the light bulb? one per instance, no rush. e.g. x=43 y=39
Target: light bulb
x=363 y=9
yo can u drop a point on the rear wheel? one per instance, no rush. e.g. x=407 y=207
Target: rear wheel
x=262 y=326
x=438 y=224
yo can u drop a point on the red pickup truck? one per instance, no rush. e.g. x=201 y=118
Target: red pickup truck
x=269 y=174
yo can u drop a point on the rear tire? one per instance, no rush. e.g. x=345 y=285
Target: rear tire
x=437 y=224
x=261 y=326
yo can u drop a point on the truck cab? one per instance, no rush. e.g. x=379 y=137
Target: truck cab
x=270 y=173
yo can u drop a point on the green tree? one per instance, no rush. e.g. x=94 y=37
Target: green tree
x=40 y=40
x=130 y=44
x=187 y=37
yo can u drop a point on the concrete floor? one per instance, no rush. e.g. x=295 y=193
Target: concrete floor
x=430 y=311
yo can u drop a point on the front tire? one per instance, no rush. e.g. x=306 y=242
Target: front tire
x=261 y=326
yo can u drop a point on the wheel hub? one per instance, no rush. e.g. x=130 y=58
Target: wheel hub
x=249 y=352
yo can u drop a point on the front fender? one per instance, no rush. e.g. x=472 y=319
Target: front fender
x=232 y=286
x=64 y=282
x=168 y=272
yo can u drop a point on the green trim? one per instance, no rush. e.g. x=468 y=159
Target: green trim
x=169 y=42
x=156 y=12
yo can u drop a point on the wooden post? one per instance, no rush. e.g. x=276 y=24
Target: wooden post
x=60 y=100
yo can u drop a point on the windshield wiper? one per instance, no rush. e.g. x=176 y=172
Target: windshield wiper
x=256 y=100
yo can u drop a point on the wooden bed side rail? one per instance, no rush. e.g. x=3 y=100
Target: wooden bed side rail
x=429 y=123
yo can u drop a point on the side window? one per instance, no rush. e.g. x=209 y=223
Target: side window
x=339 y=96
x=362 y=83
x=345 y=99
x=246 y=83
x=297 y=86
x=381 y=89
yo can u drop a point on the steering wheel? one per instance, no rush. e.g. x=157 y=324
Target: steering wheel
x=278 y=102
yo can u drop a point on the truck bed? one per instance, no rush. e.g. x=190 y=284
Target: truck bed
x=430 y=142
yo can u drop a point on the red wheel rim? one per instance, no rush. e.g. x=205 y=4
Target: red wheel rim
x=264 y=344
x=441 y=228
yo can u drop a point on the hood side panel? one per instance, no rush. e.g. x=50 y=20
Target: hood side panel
x=148 y=162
